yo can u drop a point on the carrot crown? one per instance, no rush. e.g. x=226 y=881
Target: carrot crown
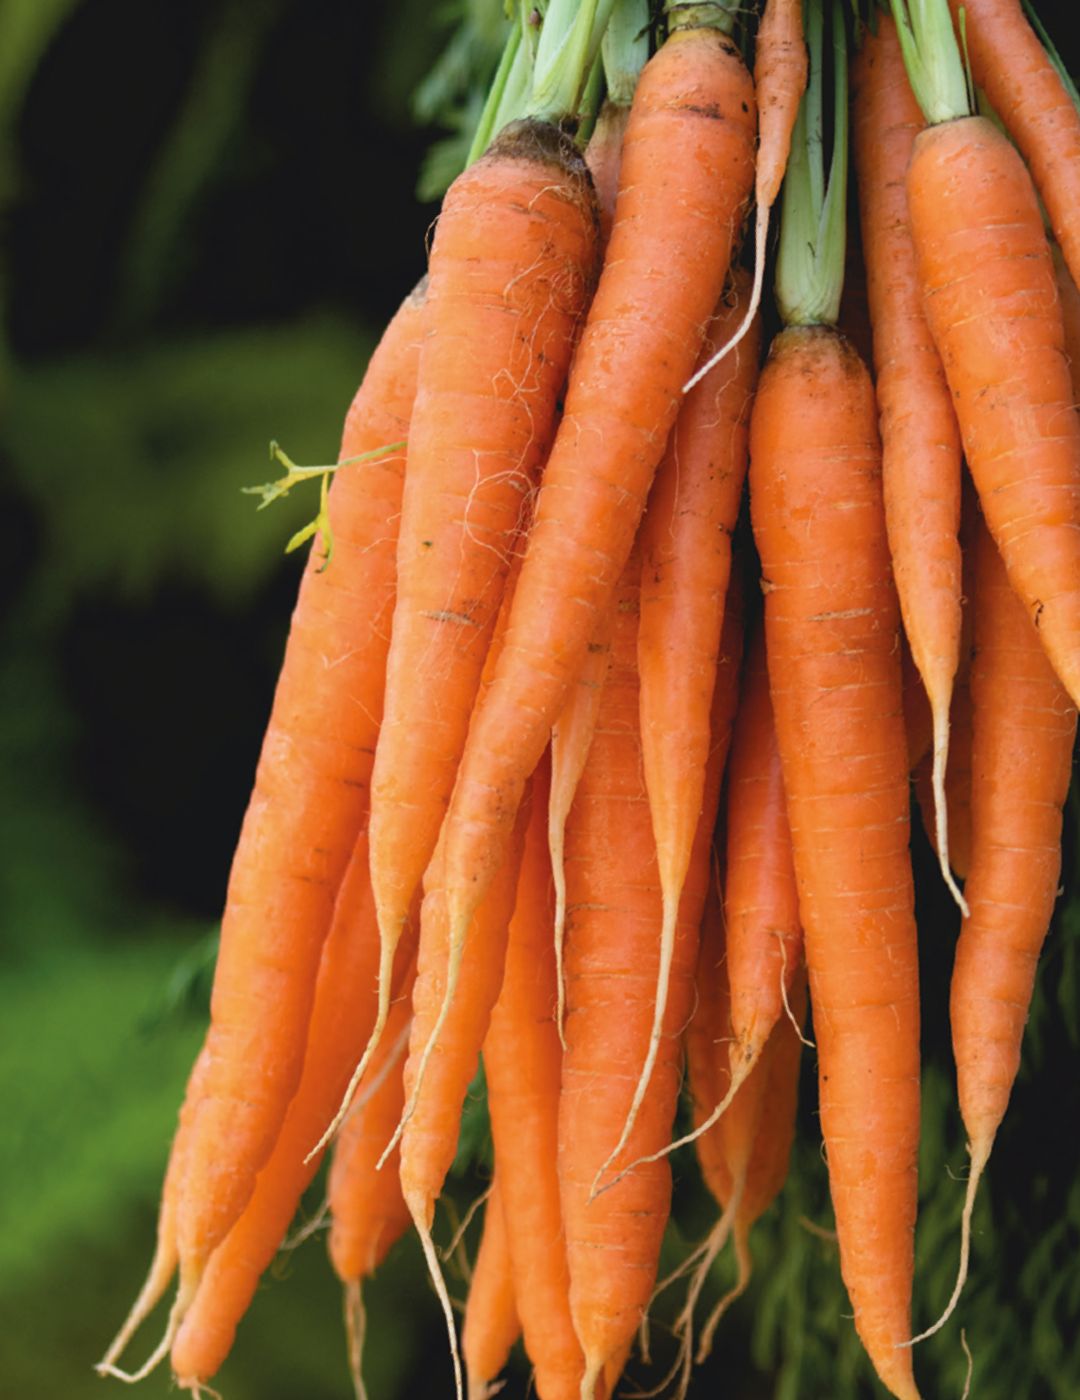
x=810 y=263
x=508 y=93
x=625 y=49
x=701 y=14
x=932 y=59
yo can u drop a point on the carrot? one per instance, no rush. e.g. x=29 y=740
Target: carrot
x=368 y=1214
x=831 y=623
x=511 y=268
x=1000 y=337
x=764 y=945
x=1013 y=68
x=686 y=564
x=163 y=1265
x=491 y=1314
x=779 y=81
x=920 y=438
x=1024 y=727
x=523 y=1064
x=311 y=790
x=613 y=1238
x=341 y=1019
x=1069 y=297
x=640 y=341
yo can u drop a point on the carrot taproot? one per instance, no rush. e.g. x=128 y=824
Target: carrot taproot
x=341 y=1019
x=367 y=1212
x=1013 y=68
x=1069 y=297
x=988 y=290
x=685 y=539
x=511 y=269
x=613 y=1237
x=780 y=69
x=832 y=618
x=640 y=341
x=163 y=1265
x=492 y=1324
x=311 y=790
x=1023 y=731
x=523 y=1065
x=764 y=943
x=921 y=458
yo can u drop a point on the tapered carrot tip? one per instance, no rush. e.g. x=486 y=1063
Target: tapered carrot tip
x=421 y=1212
x=355 y=1328
x=162 y=1268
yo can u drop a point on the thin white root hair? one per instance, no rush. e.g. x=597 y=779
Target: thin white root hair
x=459 y=1233
x=310 y=1227
x=970 y=1364
x=761 y=229
x=386 y=972
x=184 y=1297
x=738 y=1078
x=417 y=1211
x=672 y=893
x=941 y=809
x=476 y=1388
x=594 y=1369
x=979 y=1157
x=556 y=853
x=745 y=1266
x=784 y=996
x=158 y=1278
x=457 y=949
x=355 y=1331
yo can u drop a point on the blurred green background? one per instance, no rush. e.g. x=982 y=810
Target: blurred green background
x=209 y=211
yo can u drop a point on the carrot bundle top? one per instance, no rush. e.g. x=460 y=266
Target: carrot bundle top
x=973 y=209
x=832 y=624
x=686 y=174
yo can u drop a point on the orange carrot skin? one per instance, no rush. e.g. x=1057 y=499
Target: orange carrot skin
x=430 y=1138
x=1069 y=296
x=972 y=204
x=686 y=542
x=512 y=266
x=832 y=623
x=491 y=1313
x=603 y=156
x=311 y=789
x=613 y=1242
x=919 y=433
x=341 y=1020
x=780 y=69
x=523 y=1065
x=1024 y=727
x=368 y=1214
x=1011 y=66
x=761 y=901
x=639 y=345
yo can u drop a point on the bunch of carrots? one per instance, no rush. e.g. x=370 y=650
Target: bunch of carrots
x=570 y=769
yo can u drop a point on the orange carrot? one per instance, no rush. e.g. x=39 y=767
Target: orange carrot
x=491 y=1314
x=1024 y=727
x=831 y=619
x=1013 y=69
x=310 y=793
x=920 y=438
x=780 y=70
x=686 y=564
x=1000 y=337
x=341 y=1020
x=640 y=341
x=764 y=944
x=613 y=1238
x=523 y=1063
x=368 y=1214
x=511 y=270
x=1069 y=296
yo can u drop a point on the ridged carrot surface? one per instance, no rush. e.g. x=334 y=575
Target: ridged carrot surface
x=687 y=170
x=921 y=458
x=311 y=791
x=992 y=305
x=341 y=1020
x=512 y=266
x=523 y=1066
x=491 y=1325
x=1010 y=64
x=832 y=624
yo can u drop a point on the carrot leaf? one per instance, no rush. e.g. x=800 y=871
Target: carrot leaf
x=932 y=59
